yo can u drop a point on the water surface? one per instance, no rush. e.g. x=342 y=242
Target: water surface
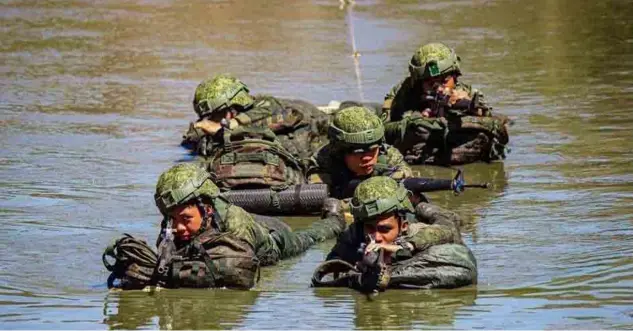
x=95 y=96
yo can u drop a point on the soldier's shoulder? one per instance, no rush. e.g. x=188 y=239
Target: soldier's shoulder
x=265 y=101
x=300 y=105
x=322 y=158
x=415 y=227
x=393 y=155
x=352 y=236
x=263 y=97
x=461 y=86
x=236 y=216
x=401 y=86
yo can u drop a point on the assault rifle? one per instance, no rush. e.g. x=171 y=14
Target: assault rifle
x=374 y=273
x=440 y=101
x=458 y=185
x=420 y=185
x=166 y=251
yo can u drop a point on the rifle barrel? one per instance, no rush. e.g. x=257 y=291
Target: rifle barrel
x=420 y=184
x=482 y=185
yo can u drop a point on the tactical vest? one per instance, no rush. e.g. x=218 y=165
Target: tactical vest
x=214 y=259
x=253 y=158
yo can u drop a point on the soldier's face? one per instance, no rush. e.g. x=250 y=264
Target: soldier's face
x=362 y=164
x=386 y=229
x=440 y=83
x=186 y=221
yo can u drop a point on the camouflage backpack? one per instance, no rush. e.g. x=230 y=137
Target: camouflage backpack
x=252 y=157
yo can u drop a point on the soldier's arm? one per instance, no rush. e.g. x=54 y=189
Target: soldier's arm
x=331 y=224
x=437 y=226
x=466 y=100
x=387 y=103
x=318 y=167
x=481 y=107
x=271 y=113
x=191 y=138
x=442 y=266
x=242 y=224
x=395 y=160
x=347 y=244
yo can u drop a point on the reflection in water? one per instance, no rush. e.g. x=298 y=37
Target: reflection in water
x=402 y=309
x=471 y=203
x=177 y=309
x=94 y=97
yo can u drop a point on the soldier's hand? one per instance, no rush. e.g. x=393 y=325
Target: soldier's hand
x=456 y=95
x=209 y=127
x=389 y=248
x=332 y=207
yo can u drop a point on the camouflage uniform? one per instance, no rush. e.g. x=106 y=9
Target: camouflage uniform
x=464 y=132
x=269 y=239
x=299 y=125
x=432 y=253
x=327 y=165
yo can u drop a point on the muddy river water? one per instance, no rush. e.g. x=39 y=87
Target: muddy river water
x=94 y=98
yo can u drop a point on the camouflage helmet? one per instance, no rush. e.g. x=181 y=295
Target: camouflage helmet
x=377 y=196
x=356 y=127
x=181 y=184
x=432 y=60
x=220 y=93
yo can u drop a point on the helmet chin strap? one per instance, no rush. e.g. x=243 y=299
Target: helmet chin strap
x=208 y=220
x=383 y=147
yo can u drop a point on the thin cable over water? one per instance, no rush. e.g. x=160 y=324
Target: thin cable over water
x=355 y=54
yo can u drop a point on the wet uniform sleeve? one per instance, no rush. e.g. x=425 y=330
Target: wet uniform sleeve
x=439 y=258
x=437 y=226
x=440 y=266
x=242 y=224
x=347 y=245
x=387 y=103
x=291 y=243
x=323 y=229
x=270 y=113
x=318 y=167
x=396 y=161
x=191 y=137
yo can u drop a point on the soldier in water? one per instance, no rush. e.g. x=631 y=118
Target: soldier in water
x=357 y=150
x=392 y=245
x=436 y=118
x=224 y=101
x=205 y=241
